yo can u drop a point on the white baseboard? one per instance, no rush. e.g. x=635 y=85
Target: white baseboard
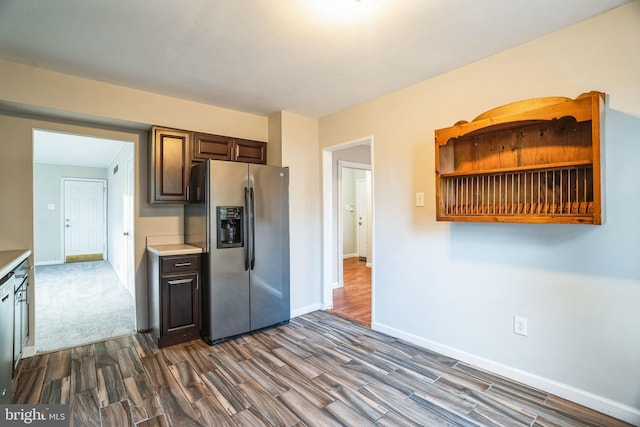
x=582 y=397
x=336 y=285
x=370 y=265
x=345 y=256
x=304 y=310
x=29 y=351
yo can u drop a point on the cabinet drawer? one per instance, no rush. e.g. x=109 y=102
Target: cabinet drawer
x=179 y=264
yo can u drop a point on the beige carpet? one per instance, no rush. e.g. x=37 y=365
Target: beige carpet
x=79 y=303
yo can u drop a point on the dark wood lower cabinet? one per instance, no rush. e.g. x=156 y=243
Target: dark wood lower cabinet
x=174 y=298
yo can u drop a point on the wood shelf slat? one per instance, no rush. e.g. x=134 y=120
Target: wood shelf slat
x=549 y=166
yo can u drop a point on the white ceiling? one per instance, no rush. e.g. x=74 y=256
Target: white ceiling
x=263 y=56
x=73 y=150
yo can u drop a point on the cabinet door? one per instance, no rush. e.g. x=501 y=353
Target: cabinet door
x=248 y=151
x=180 y=304
x=170 y=164
x=214 y=147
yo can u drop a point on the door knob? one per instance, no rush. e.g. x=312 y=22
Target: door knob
x=125 y=233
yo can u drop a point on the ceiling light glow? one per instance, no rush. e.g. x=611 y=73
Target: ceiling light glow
x=342 y=11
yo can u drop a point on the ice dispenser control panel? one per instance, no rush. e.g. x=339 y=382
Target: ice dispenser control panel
x=230 y=226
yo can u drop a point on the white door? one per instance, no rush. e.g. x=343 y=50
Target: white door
x=128 y=227
x=362 y=220
x=84 y=219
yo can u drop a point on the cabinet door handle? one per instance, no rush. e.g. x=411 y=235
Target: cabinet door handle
x=180 y=281
x=182 y=264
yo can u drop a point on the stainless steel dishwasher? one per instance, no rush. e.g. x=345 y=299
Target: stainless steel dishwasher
x=6 y=336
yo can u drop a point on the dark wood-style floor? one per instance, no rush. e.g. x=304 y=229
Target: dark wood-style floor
x=319 y=370
x=353 y=299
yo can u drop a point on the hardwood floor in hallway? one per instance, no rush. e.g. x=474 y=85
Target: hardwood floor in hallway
x=353 y=300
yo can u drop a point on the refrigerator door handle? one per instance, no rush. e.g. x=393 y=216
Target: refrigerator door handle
x=253 y=229
x=246 y=217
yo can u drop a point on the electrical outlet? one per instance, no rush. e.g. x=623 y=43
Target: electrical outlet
x=520 y=325
x=420 y=199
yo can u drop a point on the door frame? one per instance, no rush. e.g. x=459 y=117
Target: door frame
x=105 y=248
x=359 y=208
x=329 y=193
x=130 y=225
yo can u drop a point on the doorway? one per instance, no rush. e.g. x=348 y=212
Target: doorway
x=83 y=229
x=348 y=279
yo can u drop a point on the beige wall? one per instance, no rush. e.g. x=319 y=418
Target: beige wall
x=301 y=153
x=456 y=287
x=89 y=99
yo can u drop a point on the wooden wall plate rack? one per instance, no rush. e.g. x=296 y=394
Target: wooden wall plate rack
x=533 y=161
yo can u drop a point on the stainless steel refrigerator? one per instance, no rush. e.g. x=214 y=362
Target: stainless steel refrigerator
x=238 y=213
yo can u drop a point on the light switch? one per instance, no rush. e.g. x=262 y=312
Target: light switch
x=420 y=199
x=51 y=207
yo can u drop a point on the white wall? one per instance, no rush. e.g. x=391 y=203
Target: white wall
x=456 y=287
x=47 y=190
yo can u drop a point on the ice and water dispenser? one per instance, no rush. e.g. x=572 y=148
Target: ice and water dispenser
x=230 y=226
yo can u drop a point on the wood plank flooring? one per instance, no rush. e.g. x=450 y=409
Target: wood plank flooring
x=319 y=370
x=353 y=299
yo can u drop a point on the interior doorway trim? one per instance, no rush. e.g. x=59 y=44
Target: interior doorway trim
x=329 y=248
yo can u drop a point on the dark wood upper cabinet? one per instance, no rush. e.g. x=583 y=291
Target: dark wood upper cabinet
x=214 y=147
x=248 y=151
x=172 y=151
x=170 y=161
x=218 y=147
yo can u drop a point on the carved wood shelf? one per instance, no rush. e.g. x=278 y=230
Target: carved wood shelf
x=536 y=161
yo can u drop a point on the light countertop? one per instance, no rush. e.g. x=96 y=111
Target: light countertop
x=174 y=249
x=11 y=259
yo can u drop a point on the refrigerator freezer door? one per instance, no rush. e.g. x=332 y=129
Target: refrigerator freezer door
x=226 y=292
x=270 y=301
